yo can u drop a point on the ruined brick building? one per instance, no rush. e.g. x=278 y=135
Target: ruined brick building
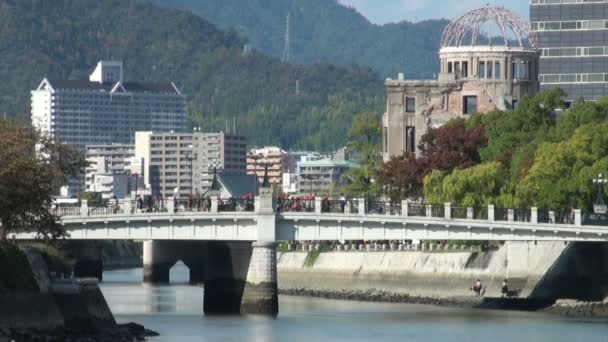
x=488 y=61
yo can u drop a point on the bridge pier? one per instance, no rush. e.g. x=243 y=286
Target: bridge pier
x=158 y=260
x=88 y=259
x=260 y=295
x=226 y=272
x=241 y=277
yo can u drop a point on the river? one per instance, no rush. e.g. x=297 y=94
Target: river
x=175 y=311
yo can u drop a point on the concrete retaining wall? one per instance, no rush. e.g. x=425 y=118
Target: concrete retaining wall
x=441 y=275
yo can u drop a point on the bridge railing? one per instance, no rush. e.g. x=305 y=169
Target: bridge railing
x=416 y=209
x=297 y=205
x=235 y=205
x=333 y=206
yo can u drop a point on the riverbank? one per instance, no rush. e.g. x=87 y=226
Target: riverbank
x=36 y=307
x=537 y=274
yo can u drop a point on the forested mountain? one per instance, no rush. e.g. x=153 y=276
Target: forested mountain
x=66 y=38
x=326 y=31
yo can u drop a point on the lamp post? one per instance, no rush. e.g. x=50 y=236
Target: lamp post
x=599 y=207
x=215 y=165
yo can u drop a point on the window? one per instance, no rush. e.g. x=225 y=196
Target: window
x=470 y=105
x=410 y=105
x=410 y=139
x=497 y=71
x=490 y=66
x=482 y=70
x=449 y=67
x=465 y=69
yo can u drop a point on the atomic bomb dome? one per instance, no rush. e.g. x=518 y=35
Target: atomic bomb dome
x=488 y=61
x=467 y=31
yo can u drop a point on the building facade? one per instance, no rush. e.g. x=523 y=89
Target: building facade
x=322 y=177
x=113 y=170
x=573 y=38
x=276 y=159
x=180 y=164
x=476 y=75
x=105 y=109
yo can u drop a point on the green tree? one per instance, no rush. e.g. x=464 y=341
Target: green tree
x=364 y=138
x=562 y=172
x=33 y=169
x=478 y=185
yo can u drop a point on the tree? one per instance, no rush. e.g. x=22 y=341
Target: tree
x=562 y=172
x=478 y=185
x=33 y=169
x=364 y=138
x=445 y=148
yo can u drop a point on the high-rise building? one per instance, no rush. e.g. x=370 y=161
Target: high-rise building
x=105 y=109
x=276 y=159
x=178 y=164
x=573 y=38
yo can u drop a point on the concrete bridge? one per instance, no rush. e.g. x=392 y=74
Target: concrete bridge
x=232 y=249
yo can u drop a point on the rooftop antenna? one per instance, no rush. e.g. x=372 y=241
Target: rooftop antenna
x=287 y=47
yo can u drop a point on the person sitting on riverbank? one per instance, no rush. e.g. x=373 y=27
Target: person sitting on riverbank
x=477 y=287
x=504 y=291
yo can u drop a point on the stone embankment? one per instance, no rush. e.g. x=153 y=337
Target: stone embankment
x=574 y=308
x=537 y=273
x=37 y=308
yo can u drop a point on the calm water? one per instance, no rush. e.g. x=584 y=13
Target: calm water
x=175 y=311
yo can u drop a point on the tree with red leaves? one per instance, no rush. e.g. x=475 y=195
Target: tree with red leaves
x=446 y=148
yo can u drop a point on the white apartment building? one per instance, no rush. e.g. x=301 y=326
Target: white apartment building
x=178 y=164
x=113 y=170
x=105 y=109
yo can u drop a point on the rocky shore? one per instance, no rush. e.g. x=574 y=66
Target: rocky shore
x=573 y=308
x=489 y=303
x=37 y=307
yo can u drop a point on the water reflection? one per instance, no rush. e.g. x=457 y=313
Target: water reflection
x=176 y=311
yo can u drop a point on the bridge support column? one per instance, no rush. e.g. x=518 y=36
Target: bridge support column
x=260 y=295
x=89 y=262
x=226 y=269
x=158 y=261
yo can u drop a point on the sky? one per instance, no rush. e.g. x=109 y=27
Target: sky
x=386 y=11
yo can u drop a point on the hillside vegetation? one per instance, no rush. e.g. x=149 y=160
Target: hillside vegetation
x=326 y=31
x=65 y=39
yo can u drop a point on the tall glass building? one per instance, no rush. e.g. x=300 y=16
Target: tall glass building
x=573 y=38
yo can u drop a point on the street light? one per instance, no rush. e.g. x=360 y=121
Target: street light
x=214 y=183
x=599 y=207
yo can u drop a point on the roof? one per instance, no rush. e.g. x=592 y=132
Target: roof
x=238 y=185
x=329 y=163
x=133 y=87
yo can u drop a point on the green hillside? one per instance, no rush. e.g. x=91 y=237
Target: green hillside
x=324 y=30
x=66 y=38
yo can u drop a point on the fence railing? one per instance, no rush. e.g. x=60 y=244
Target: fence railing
x=416 y=209
x=437 y=210
x=459 y=212
x=295 y=205
x=334 y=206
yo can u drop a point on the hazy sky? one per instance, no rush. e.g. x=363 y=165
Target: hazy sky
x=385 y=11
